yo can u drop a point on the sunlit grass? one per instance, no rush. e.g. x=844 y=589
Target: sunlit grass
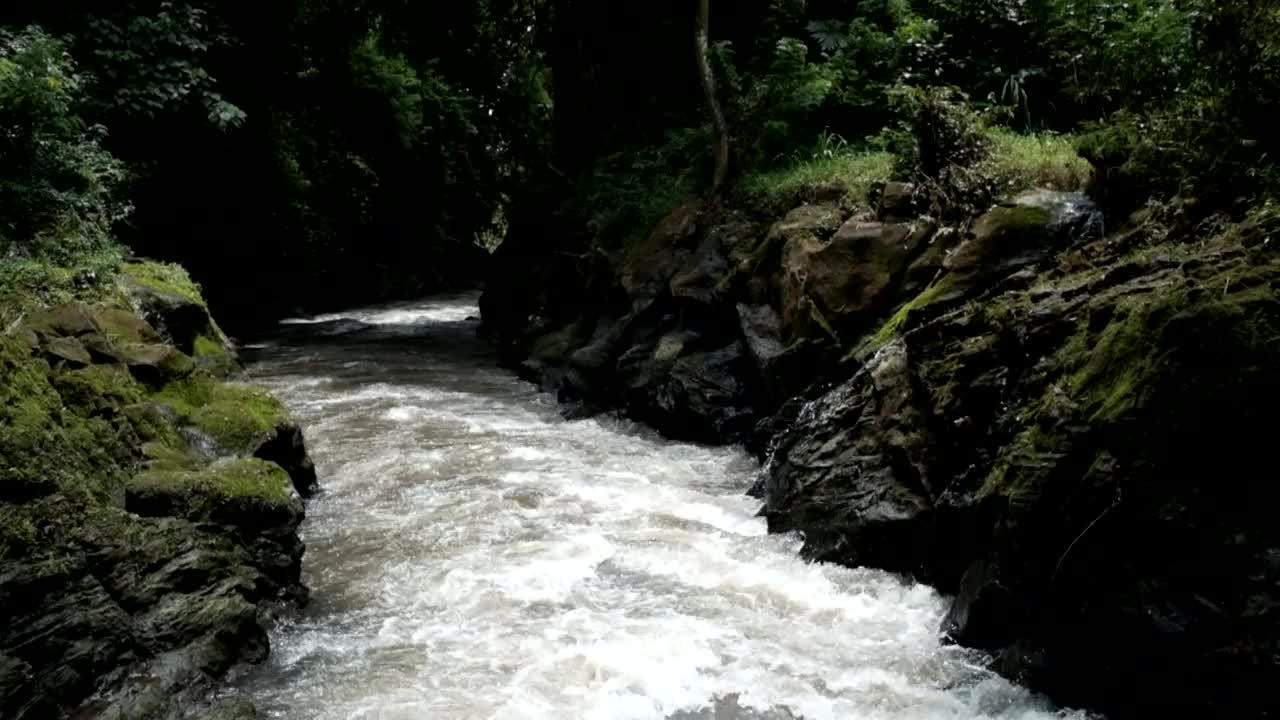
x=1041 y=160
x=856 y=172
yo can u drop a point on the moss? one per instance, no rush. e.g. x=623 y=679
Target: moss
x=202 y=489
x=164 y=277
x=236 y=416
x=896 y=324
x=50 y=446
x=212 y=354
x=153 y=424
x=98 y=389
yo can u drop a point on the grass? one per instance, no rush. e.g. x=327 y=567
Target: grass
x=27 y=284
x=855 y=172
x=1021 y=162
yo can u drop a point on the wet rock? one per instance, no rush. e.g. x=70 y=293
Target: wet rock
x=287 y=448
x=852 y=474
x=1034 y=227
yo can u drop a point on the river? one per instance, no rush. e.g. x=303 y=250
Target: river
x=474 y=555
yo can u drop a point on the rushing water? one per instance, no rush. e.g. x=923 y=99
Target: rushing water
x=476 y=556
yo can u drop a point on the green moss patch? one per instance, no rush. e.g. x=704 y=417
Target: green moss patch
x=164 y=277
x=212 y=354
x=50 y=444
x=236 y=416
x=98 y=389
x=227 y=490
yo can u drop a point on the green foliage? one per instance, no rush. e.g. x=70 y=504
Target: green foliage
x=56 y=181
x=628 y=192
x=157 y=57
x=1022 y=161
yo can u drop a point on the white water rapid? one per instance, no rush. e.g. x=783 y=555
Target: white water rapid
x=473 y=555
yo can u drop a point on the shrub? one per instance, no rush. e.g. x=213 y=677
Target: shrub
x=56 y=181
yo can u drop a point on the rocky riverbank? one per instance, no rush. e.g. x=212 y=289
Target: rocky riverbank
x=1061 y=426
x=149 y=506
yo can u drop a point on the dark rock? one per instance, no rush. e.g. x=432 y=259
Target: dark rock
x=701 y=396
x=287 y=448
x=897 y=202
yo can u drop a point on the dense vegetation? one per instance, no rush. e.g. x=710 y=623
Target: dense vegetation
x=333 y=152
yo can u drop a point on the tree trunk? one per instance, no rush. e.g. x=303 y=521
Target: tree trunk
x=720 y=128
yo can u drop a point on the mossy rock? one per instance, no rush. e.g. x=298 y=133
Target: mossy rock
x=49 y=444
x=124 y=325
x=163 y=277
x=246 y=492
x=155 y=364
x=169 y=300
x=98 y=389
x=213 y=354
x=67 y=320
x=238 y=417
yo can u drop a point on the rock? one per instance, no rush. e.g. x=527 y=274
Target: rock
x=897 y=202
x=156 y=364
x=829 y=289
x=701 y=396
x=179 y=318
x=762 y=330
x=1041 y=455
x=68 y=320
x=852 y=474
x=1035 y=227
x=287 y=449
x=124 y=325
x=67 y=350
x=650 y=267
x=984 y=611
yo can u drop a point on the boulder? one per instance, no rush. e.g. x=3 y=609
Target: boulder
x=702 y=396
x=1030 y=230
x=852 y=473
x=897 y=202
x=180 y=318
x=68 y=351
x=830 y=288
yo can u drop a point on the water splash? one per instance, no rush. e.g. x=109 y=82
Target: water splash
x=477 y=556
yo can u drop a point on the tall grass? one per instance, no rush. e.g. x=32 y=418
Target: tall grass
x=1019 y=162
x=854 y=171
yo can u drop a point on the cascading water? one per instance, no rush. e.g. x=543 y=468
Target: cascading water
x=476 y=556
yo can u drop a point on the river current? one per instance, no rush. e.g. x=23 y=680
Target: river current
x=475 y=555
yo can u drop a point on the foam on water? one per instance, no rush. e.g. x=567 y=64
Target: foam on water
x=476 y=556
